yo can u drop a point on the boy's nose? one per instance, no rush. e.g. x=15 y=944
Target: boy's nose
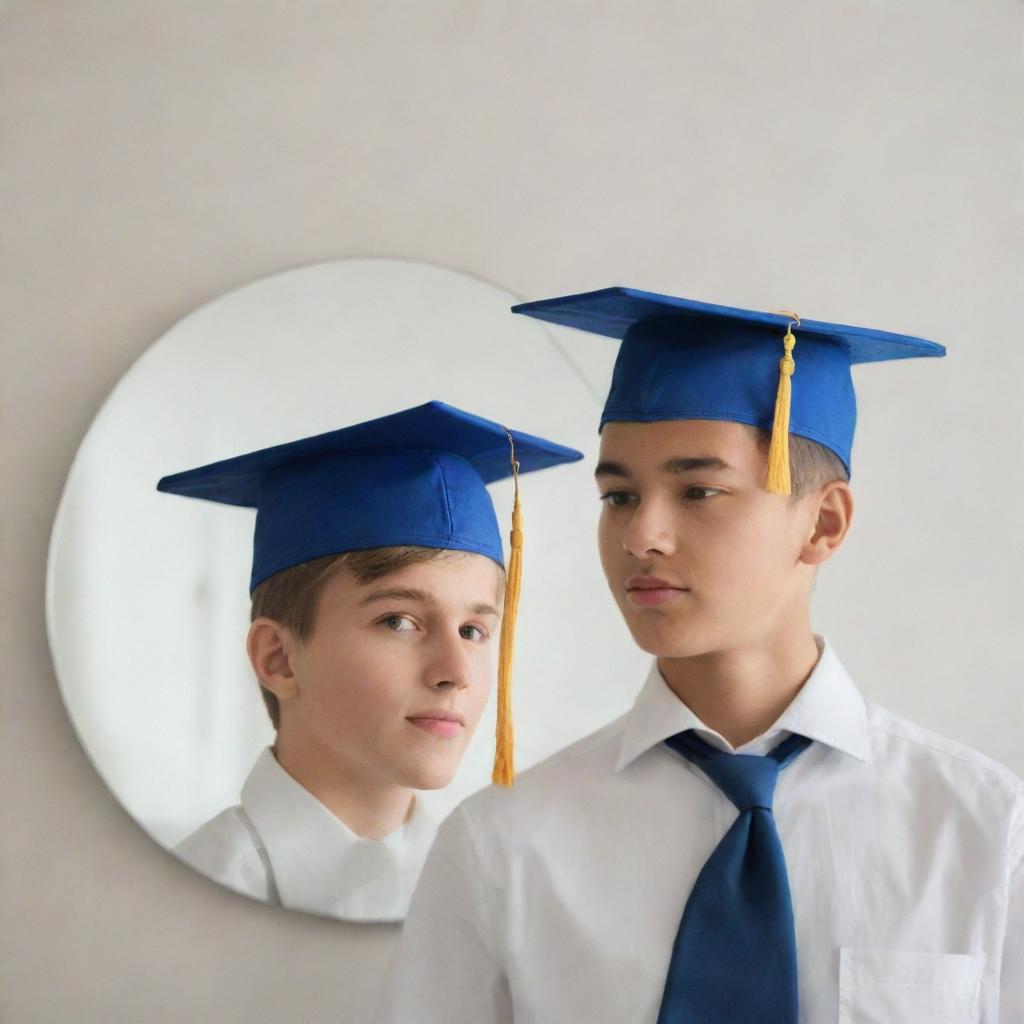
x=649 y=531
x=450 y=667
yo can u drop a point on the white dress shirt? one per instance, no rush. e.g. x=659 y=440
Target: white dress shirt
x=558 y=901
x=283 y=846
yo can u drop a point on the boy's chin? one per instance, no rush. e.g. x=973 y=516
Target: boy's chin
x=432 y=776
x=663 y=641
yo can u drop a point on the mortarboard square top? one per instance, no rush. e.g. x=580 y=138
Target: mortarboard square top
x=682 y=359
x=415 y=477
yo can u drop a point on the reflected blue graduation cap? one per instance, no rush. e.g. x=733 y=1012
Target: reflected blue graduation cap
x=415 y=477
x=682 y=359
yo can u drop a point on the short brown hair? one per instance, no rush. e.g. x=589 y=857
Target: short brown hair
x=811 y=465
x=290 y=596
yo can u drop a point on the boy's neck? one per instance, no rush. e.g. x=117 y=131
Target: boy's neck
x=740 y=693
x=370 y=809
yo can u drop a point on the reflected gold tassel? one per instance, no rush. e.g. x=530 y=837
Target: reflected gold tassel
x=504 y=758
x=778 y=480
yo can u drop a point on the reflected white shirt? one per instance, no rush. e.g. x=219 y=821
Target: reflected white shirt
x=283 y=846
x=559 y=899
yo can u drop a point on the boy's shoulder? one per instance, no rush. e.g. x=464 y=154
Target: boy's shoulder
x=961 y=786
x=228 y=849
x=923 y=768
x=570 y=774
x=578 y=762
x=894 y=736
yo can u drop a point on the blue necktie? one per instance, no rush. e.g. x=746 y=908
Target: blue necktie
x=734 y=958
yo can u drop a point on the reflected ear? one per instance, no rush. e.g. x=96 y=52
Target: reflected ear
x=271 y=646
x=831 y=523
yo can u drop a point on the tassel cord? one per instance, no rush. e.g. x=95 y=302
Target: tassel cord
x=504 y=759
x=779 y=478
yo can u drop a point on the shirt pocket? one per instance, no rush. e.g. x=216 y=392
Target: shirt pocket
x=889 y=987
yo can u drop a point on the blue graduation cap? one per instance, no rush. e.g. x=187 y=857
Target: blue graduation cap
x=416 y=477
x=682 y=359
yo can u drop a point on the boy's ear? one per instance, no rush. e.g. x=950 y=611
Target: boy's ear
x=831 y=523
x=271 y=648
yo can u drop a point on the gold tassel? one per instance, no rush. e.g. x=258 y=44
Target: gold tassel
x=504 y=759
x=778 y=480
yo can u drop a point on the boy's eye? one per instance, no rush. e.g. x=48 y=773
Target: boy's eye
x=473 y=633
x=617 y=498
x=700 y=493
x=398 y=623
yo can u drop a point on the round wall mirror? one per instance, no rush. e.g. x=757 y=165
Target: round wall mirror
x=147 y=593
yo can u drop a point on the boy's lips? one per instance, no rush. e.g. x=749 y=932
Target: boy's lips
x=440 y=723
x=652 y=590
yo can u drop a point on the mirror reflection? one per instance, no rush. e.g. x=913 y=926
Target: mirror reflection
x=378 y=589
x=174 y=679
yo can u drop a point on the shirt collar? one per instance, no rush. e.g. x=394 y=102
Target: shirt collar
x=321 y=865
x=828 y=708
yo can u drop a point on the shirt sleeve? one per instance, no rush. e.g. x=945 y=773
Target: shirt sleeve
x=1011 y=995
x=449 y=967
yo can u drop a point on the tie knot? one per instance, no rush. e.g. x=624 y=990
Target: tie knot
x=748 y=780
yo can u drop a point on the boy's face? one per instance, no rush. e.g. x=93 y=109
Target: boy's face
x=699 y=557
x=394 y=676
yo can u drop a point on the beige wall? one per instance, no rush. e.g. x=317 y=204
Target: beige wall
x=856 y=160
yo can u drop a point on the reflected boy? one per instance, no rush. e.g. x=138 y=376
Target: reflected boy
x=376 y=593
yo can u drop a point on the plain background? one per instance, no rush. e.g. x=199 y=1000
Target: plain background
x=859 y=161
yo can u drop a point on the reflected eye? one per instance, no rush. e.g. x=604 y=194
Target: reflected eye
x=617 y=498
x=397 y=623
x=700 y=493
x=470 y=632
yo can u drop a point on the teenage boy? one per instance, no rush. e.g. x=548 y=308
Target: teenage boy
x=376 y=588
x=755 y=841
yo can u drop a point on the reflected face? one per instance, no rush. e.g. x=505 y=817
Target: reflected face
x=699 y=557
x=395 y=674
